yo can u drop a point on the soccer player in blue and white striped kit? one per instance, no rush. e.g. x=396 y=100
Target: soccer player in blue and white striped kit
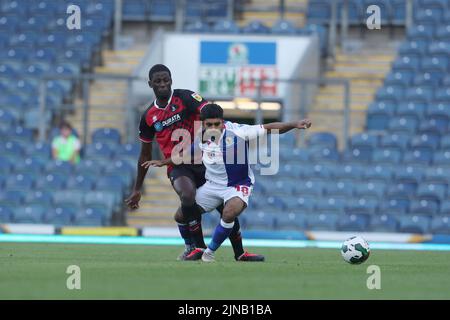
x=229 y=177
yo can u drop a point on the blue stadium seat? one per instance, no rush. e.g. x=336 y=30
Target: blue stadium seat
x=386 y=156
x=439 y=47
x=290 y=220
x=6 y=166
x=300 y=203
x=419 y=94
x=101 y=198
x=134 y=10
x=20 y=181
x=407 y=62
x=51 y=182
x=360 y=154
x=6 y=213
x=261 y=220
x=436 y=126
x=11 y=148
x=383 y=223
x=399 y=78
x=403 y=124
x=426 y=142
x=197 y=27
x=378 y=115
x=330 y=205
x=39 y=150
x=416 y=156
x=414 y=224
x=437 y=174
x=29 y=214
x=34 y=165
x=322 y=221
x=39 y=197
x=429 y=79
x=68 y=197
x=445 y=207
x=309 y=187
x=12 y=197
x=275 y=203
x=98 y=151
x=442 y=33
x=256 y=27
x=59 y=167
x=394 y=205
x=319 y=153
x=283 y=27
x=424 y=206
x=401 y=189
x=441 y=157
x=395 y=140
x=350 y=171
x=364 y=140
x=109 y=183
x=90 y=217
x=80 y=183
x=408 y=174
x=323 y=139
x=226 y=26
x=391 y=94
x=420 y=32
x=353 y=222
x=434 y=191
x=363 y=204
x=380 y=172
x=319 y=11
x=439 y=110
x=90 y=167
x=355 y=11
x=440 y=224
x=412 y=109
x=376 y=189
x=428 y=15
x=339 y=188
x=60 y=215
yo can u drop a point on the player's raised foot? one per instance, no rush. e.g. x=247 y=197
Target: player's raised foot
x=208 y=256
x=195 y=254
x=250 y=257
x=185 y=253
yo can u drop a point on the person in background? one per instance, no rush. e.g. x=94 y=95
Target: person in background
x=66 y=146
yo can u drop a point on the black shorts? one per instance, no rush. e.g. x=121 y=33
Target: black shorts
x=195 y=172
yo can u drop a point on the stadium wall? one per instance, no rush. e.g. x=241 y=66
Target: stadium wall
x=43 y=229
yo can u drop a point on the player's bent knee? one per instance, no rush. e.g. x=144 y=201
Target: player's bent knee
x=178 y=217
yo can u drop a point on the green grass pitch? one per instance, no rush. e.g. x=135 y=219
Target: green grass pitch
x=38 y=271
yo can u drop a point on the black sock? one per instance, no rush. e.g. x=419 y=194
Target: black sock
x=192 y=213
x=195 y=228
x=236 y=239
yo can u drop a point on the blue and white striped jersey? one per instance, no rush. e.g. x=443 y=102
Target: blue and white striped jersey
x=226 y=161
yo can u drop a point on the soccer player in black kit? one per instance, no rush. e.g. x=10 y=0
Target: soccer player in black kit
x=172 y=110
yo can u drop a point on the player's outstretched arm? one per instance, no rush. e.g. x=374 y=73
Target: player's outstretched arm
x=157 y=163
x=284 y=127
x=146 y=155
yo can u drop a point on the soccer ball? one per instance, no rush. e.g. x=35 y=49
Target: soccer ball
x=355 y=250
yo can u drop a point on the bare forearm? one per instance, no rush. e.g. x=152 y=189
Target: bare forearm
x=282 y=127
x=141 y=171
